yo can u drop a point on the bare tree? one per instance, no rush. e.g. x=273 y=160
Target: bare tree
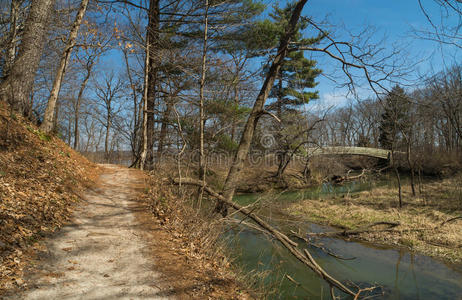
x=445 y=28
x=152 y=54
x=202 y=119
x=108 y=92
x=12 y=37
x=47 y=124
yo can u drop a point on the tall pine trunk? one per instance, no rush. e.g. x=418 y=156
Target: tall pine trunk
x=152 y=58
x=257 y=110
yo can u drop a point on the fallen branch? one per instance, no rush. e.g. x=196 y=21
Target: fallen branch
x=332 y=281
x=358 y=231
x=324 y=249
x=285 y=241
x=451 y=220
x=347 y=177
x=298 y=284
x=363 y=173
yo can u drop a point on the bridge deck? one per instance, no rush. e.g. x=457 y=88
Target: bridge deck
x=372 y=152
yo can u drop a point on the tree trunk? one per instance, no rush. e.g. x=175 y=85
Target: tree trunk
x=136 y=126
x=419 y=173
x=398 y=178
x=11 y=47
x=77 y=108
x=47 y=124
x=18 y=85
x=144 y=147
x=106 y=140
x=201 y=101
x=257 y=110
x=234 y=119
x=55 y=121
x=282 y=163
x=153 y=37
x=279 y=95
x=411 y=166
x=163 y=131
x=306 y=169
x=69 y=131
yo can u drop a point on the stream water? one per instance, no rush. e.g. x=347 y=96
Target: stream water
x=398 y=273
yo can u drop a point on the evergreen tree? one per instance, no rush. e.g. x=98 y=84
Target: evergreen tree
x=297 y=73
x=395 y=118
x=293 y=84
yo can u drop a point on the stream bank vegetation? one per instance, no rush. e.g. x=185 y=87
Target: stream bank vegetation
x=428 y=223
x=189 y=250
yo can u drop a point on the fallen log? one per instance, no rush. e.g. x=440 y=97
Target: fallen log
x=364 y=229
x=324 y=249
x=290 y=245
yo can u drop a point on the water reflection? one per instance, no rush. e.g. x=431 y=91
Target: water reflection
x=399 y=273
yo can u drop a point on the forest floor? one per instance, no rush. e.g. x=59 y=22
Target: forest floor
x=100 y=254
x=429 y=223
x=71 y=229
x=114 y=248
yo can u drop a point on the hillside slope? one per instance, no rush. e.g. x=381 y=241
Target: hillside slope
x=40 y=180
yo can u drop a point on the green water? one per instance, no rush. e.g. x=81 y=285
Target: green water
x=399 y=273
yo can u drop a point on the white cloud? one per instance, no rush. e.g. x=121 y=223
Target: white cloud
x=329 y=100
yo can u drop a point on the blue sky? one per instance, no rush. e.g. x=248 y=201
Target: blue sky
x=393 y=18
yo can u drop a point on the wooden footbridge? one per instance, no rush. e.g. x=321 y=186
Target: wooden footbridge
x=364 y=151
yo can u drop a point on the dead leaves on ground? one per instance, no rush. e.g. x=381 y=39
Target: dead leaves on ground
x=40 y=179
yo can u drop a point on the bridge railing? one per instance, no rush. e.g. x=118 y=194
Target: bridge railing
x=339 y=150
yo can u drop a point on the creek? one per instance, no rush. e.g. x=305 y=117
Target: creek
x=399 y=273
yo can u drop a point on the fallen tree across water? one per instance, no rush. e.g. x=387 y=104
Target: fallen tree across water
x=290 y=245
x=320 y=247
x=364 y=229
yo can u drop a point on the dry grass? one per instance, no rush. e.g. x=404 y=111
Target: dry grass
x=420 y=218
x=190 y=252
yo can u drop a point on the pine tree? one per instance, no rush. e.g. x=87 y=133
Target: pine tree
x=292 y=87
x=297 y=73
x=395 y=118
x=395 y=126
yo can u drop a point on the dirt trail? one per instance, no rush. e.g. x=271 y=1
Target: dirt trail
x=101 y=254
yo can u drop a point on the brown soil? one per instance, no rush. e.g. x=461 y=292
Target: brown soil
x=40 y=182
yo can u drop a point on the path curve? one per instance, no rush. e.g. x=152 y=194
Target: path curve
x=101 y=254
